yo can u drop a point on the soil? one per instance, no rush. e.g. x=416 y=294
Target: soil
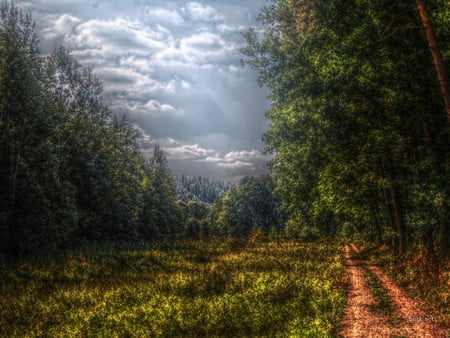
x=362 y=321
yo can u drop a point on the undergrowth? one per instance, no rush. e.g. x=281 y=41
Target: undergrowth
x=192 y=289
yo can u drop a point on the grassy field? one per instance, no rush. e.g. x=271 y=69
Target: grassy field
x=192 y=289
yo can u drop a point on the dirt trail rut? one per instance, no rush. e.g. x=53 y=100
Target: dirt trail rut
x=361 y=321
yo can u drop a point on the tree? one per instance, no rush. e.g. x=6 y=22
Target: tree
x=441 y=70
x=249 y=206
x=36 y=201
x=160 y=218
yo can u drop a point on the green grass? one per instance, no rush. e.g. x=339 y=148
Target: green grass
x=383 y=302
x=194 y=289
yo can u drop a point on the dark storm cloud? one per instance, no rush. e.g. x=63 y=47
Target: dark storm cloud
x=174 y=68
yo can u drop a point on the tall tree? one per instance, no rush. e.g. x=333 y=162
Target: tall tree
x=441 y=70
x=36 y=202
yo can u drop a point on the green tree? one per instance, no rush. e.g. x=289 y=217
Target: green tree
x=160 y=218
x=247 y=207
x=36 y=202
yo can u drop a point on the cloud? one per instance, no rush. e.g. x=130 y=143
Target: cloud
x=164 y=16
x=154 y=105
x=234 y=159
x=238 y=159
x=193 y=160
x=199 y=12
x=116 y=37
x=66 y=24
x=133 y=82
x=145 y=141
x=173 y=68
x=224 y=28
x=235 y=165
x=204 y=41
x=246 y=155
x=188 y=152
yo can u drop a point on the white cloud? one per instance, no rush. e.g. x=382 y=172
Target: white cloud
x=154 y=105
x=145 y=141
x=66 y=24
x=116 y=37
x=207 y=48
x=235 y=165
x=246 y=155
x=139 y=64
x=126 y=79
x=188 y=152
x=199 y=12
x=233 y=159
x=224 y=28
x=205 y=41
x=164 y=16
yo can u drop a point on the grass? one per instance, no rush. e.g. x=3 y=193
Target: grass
x=383 y=302
x=192 y=289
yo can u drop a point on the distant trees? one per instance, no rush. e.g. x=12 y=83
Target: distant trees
x=358 y=126
x=198 y=188
x=249 y=206
x=238 y=210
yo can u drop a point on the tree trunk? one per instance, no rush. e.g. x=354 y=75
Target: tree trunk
x=436 y=54
x=399 y=222
x=375 y=213
x=390 y=216
x=444 y=239
x=444 y=231
x=382 y=172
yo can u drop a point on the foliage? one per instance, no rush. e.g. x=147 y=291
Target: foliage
x=200 y=189
x=357 y=122
x=248 y=206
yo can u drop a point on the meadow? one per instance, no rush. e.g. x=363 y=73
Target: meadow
x=190 y=289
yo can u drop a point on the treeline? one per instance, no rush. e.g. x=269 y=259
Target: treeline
x=70 y=170
x=358 y=124
x=200 y=189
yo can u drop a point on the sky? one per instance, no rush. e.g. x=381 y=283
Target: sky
x=173 y=67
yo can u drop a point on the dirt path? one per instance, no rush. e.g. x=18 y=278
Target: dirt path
x=360 y=319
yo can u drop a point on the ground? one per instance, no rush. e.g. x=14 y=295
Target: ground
x=379 y=308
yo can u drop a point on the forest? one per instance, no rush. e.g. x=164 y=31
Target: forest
x=359 y=125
